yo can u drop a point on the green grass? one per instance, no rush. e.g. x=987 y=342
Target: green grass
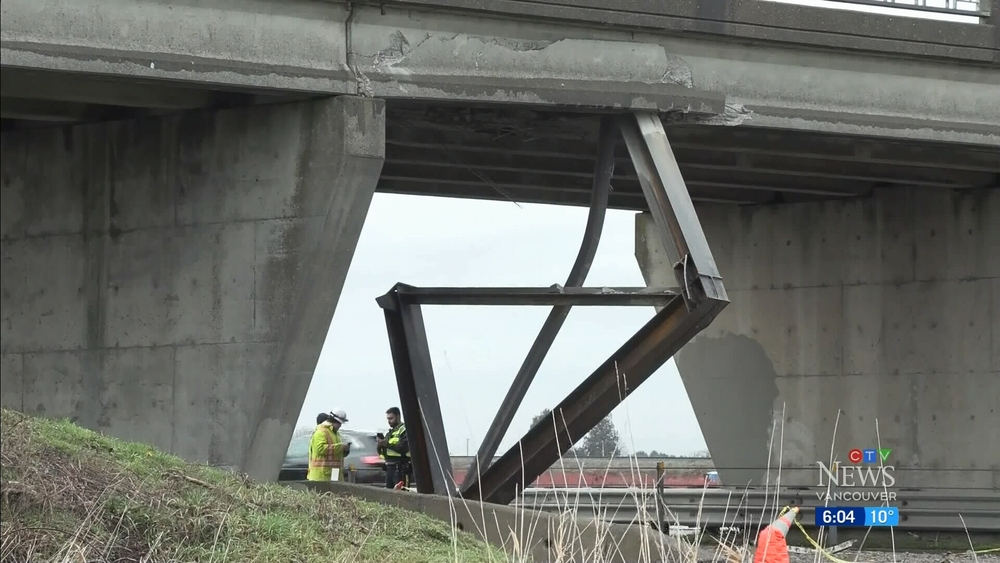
x=69 y=494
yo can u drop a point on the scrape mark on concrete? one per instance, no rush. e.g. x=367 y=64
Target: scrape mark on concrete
x=733 y=114
x=519 y=45
x=731 y=382
x=395 y=51
x=399 y=52
x=678 y=72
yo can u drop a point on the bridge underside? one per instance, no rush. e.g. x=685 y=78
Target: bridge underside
x=546 y=155
x=87 y=148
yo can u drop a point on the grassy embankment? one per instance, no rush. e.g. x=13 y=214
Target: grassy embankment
x=69 y=494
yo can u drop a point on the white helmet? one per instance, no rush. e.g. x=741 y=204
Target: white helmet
x=339 y=414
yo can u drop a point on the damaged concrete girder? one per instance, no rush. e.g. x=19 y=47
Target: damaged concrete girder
x=502 y=163
x=544 y=67
x=763 y=84
x=321 y=47
x=556 y=178
x=417 y=128
x=757 y=20
x=437 y=177
x=430 y=53
x=556 y=194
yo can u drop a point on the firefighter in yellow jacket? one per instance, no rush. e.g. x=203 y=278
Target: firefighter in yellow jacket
x=326 y=449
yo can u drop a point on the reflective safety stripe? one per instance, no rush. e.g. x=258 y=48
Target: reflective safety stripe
x=393 y=440
x=329 y=459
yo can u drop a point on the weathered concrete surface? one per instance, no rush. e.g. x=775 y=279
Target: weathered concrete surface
x=523 y=533
x=887 y=308
x=417 y=52
x=757 y=20
x=172 y=280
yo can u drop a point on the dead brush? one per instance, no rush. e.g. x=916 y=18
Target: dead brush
x=570 y=543
x=62 y=501
x=73 y=496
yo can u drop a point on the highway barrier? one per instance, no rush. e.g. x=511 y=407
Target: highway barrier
x=975 y=510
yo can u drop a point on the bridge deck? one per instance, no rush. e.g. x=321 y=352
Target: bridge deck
x=749 y=62
x=764 y=102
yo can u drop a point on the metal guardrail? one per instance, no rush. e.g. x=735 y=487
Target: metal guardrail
x=975 y=8
x=975 y=510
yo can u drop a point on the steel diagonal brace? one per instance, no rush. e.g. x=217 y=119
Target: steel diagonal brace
x=671 y=208
x=682 y=316
x=603 y=171
x=418 y=396
x=414 y=372
x=703 y=297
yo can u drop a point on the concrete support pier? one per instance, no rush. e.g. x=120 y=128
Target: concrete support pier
x=886 y=308
x=172 y=279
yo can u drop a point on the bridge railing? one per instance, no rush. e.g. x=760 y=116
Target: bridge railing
x=975 y=8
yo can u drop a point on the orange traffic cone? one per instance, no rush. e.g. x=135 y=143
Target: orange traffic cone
x=771 y=546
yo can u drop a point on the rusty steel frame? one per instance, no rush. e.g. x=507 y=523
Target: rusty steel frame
x=556 y=295
x=684 y=312
x=604 y=169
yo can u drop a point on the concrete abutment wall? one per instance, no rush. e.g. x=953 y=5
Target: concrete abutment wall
x=887 y=308
x=172 y=280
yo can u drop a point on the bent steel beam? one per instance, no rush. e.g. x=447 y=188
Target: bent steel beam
x=703 y=297
x=588 y=404
x=418 y=396
x=414 y=372
x=671 y=207
x=684 y=313
x=603 y=170
x=555 y=295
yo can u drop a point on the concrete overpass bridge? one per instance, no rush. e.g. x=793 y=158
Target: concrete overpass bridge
x=184 y=185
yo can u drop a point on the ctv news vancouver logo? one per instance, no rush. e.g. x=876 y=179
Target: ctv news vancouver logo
x=867 y=469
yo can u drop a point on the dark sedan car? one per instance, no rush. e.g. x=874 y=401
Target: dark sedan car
x=368 y=467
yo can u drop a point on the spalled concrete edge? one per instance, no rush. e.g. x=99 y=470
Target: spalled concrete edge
x=520 y=531
x=759 y=20
x=580 y=93
x=480 y=54
x=305 y=47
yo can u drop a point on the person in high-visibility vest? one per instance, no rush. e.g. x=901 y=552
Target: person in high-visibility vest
x=395 y=450
x=326 y=449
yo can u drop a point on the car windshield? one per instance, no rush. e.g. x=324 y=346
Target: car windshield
x=361 y=443
x=299 y=447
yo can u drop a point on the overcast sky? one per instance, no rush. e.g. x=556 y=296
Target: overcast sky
x=476 y=351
